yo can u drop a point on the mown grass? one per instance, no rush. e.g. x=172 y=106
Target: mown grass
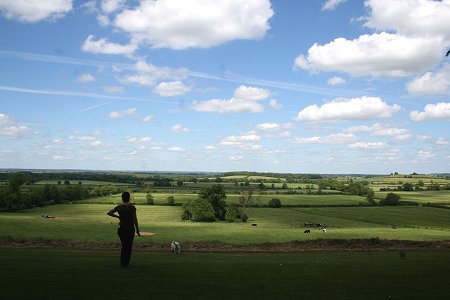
x=89 y=223
x=95 y=274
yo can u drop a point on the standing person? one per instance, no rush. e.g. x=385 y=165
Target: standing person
x=127 y=225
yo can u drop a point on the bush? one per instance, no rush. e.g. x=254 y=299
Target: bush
x=391 y=199
x=275 y=203
x=229 y=214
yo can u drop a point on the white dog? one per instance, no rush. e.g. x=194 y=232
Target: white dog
x=175 y=247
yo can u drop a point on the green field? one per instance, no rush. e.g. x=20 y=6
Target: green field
x=435 y=197
x=160 y=198
x=89 y=223
x=95 y=274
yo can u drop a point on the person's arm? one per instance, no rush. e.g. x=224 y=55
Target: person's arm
x=111 y=213
x=136 y=224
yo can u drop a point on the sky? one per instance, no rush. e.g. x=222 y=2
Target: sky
x=287 y=86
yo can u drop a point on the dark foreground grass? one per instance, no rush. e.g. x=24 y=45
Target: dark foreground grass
x=95 y=274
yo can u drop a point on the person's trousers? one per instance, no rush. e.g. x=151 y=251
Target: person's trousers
x=126 y=238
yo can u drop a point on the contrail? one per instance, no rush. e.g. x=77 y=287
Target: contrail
x=89 y=108
x=78 y=94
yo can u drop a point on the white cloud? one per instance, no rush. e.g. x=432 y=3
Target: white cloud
x=370 y=145
x=110 y=6
x=274 y=104
x=244 y=100
x=240 y=140
x=383 y=131
x=121 y=114
x=102 y=46
x=97 y=144
x=340 y=109
x=136 y=139
x=410 y=17
x=330 y=139
x=86 y=78
x=180 y=24
x=424 y=154
x=336 y=81
x=172 y=88
x=377 y=55
x=58 y=157
x=35 y=11
x=268 y=126
x=178 y=128
x=9 y=127
x=432 y=111
x=442 y=141
x=147 y=74
x=176 y=149
x=332 y=4
x=148 y=118
x=431 y=83
x=236 y=157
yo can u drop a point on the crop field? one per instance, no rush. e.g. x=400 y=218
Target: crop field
x=435 y=197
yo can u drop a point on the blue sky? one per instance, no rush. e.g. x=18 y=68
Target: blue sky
x=337 y=86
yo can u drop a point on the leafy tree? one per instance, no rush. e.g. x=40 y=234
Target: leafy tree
x=150 y=199
x=391 y=199
x=248 y=198
x=171 y=200
x=284 y=186
x=216 y=196
x=275 y=203
x=408 y=186
x=371 y=196
x=200 y=210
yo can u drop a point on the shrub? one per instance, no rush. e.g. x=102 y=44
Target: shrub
x=275 y=203
x=229 y=214
x=391 y=199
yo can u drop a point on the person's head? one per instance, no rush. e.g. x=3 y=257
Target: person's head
x=125 y=197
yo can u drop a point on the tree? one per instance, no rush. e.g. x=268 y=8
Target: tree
x=391 y=199
x=371 y=196
x=150 y=199
x=200 y=210
x=408 y=186
x=248 y=198
x=171 y=200
x=216 y=196
x=275 y=203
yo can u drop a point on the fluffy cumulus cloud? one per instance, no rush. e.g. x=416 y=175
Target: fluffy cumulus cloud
x=171 y=88
x=121 y=114
x=180 y=24
x=364 y=108
x=110 y=6
x=410 y=17
x=147 y=75
x=438 y=111
x=377 y=55
x=410 y=39
x=239 y=141
x=103 y=46
x=245 y=99
x=10 y=128
x=332 y=4
x=431 y=83
x=34 y=10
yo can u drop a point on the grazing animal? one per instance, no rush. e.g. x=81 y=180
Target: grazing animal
x=324 y=229
x=307 y=231
x=254 y=224
x=175 y=247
